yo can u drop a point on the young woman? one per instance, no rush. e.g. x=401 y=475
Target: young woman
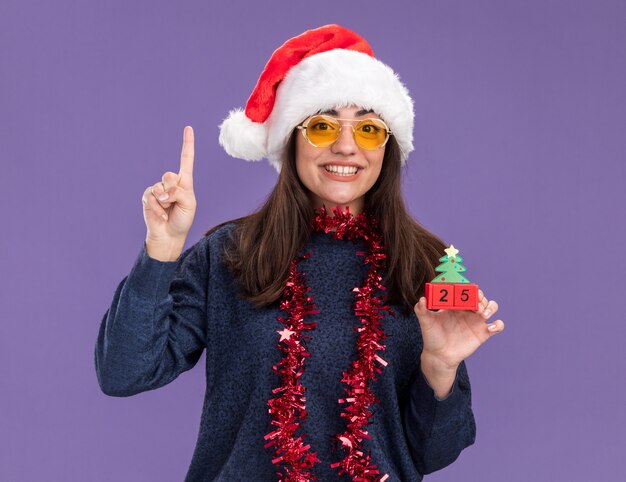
x=322 y=360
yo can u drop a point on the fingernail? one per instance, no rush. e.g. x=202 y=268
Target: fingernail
x=492 y=327
x=163 y=196
x=487 y=313
x=164 y=216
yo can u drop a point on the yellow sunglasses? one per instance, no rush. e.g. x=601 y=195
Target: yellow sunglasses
x=322 y=131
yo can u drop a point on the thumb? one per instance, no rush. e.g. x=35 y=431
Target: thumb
x=423 y=313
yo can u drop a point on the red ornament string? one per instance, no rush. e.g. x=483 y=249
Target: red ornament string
x=288 y=408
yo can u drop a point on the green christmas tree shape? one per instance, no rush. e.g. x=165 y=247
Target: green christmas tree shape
x=451 y=268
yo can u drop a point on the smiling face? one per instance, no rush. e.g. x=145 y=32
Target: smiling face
x=328 y=172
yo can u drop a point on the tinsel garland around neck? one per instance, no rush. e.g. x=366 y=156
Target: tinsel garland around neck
x=288 y=409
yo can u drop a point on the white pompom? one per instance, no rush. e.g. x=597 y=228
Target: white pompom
x=242 y=138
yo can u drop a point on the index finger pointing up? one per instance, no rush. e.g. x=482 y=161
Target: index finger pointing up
x=185 y=173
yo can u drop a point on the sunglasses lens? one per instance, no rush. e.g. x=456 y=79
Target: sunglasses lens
x=370 y=134
x=322 y=131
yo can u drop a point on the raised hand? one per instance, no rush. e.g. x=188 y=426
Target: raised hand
x=169 y=206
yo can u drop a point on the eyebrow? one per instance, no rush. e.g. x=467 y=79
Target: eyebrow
x=357 y=114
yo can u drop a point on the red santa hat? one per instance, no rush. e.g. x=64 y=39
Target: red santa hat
x=321 y=69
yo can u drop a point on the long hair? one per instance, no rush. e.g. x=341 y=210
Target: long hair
x=264 y=242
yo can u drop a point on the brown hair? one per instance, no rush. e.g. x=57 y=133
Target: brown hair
x=265 y=242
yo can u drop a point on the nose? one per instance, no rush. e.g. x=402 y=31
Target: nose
x=345 y=144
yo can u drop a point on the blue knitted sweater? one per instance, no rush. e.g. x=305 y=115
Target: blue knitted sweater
x=164 y=314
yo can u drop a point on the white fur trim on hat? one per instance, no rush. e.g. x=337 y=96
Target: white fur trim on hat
x=241 y=137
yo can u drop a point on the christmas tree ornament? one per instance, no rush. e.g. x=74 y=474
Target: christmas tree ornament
x=451 y=290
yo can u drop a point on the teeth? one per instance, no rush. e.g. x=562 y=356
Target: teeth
x=342 y=170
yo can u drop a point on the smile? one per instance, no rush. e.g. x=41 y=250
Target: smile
x=342 y=170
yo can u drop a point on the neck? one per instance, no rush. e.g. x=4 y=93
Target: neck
x=356 y=206
x=332 y=209
x=331 y=212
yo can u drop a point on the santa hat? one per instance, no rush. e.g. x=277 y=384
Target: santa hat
x=325 y=68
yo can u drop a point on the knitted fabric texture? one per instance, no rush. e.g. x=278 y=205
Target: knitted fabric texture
x=164 y=315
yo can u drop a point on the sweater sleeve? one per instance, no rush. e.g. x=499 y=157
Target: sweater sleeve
x=156 y=325
x=439 y=429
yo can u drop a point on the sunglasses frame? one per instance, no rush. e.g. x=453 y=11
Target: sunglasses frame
x=303 y=127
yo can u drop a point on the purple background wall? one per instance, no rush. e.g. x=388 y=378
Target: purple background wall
x=520 y=162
